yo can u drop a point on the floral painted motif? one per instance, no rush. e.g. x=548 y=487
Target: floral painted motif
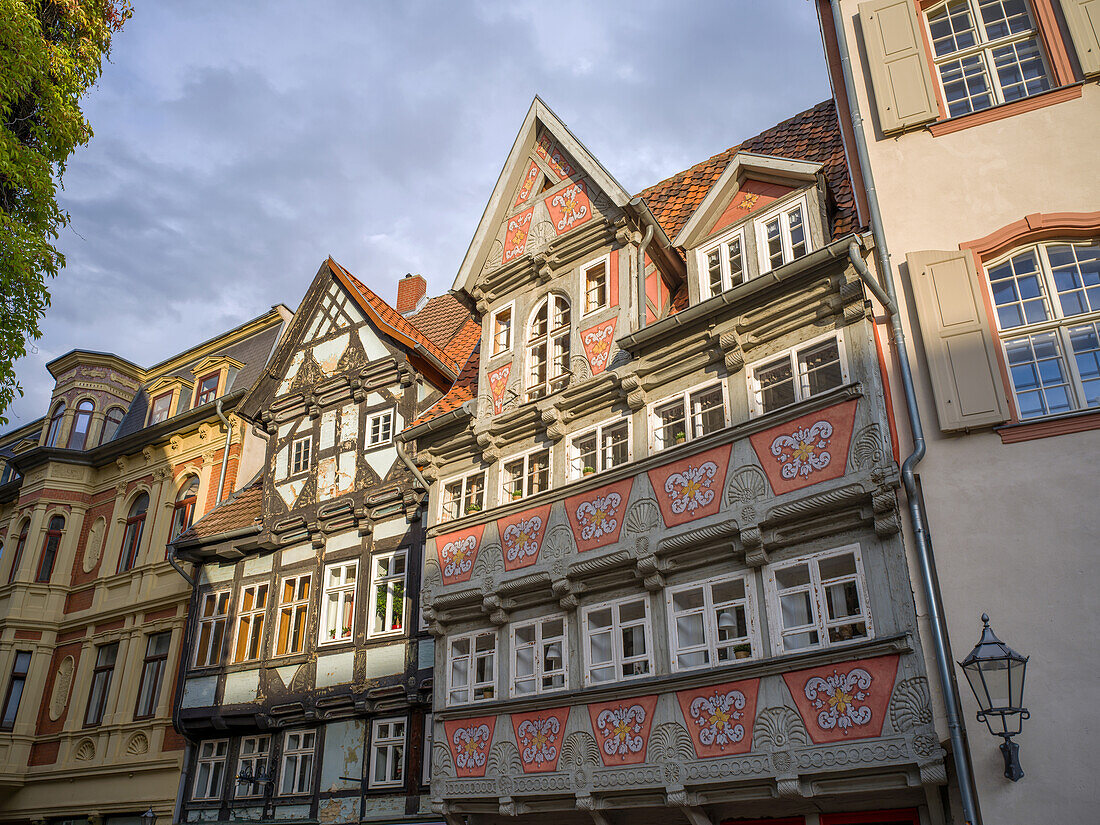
x=803 y=451
x=844 y=701
x=837 y=697
x=691 y=488
x=597 y=345
x=515 y=235
x=522 y=538
x=498 y=383
x=528 y=184
x=720 y=717
x=598 y=516
x=748 y=201
x=539 y=735
x=548 y=150
x=457 y=553
x=622 y=729
x=568 y=207
x=469 y=741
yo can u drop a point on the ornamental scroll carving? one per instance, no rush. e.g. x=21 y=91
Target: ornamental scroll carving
x=62 y=681
x=93 y=547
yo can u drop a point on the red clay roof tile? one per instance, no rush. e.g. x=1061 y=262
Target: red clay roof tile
x=243 y=509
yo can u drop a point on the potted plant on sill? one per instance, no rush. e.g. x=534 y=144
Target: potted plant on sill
x=680 y=437
x=589 y=471
x=473 y=508
x=517 y=495
x=742 y=651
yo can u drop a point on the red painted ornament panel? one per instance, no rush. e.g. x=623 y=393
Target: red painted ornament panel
x=597 y=516
x=845 y=701
x=457 y=553
x=515 y=234
x=549 y=151
x=498 y=383
x=539 y=735
x=469 y=741
x=528 y=184
x=597 y=344
x=569 y=207
x=808 y=450
x=622 y=729
x=691 y=487
x=751 y=196
x=720 y=718
x=521 y=536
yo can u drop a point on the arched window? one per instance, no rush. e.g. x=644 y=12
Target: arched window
x=110 y=425
x=49 y=549
x=185 y=507
x=55 y=424
x=131 y=539
x=78 y=435
x=549 y=336
x=20 y=543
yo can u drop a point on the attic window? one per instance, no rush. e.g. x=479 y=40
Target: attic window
x=208 y=389
x=162 y=408
x=722 y=263
x=782 y=236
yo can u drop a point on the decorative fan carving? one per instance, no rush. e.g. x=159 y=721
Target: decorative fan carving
x=642 y=516
x=747 y=485
x=671 y=743
x=504 y=760
x=138 y=744
x=85 y=751
x=579 y=750
x=910 y=706
x=779 y=728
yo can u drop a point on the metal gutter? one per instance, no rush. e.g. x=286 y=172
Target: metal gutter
x=916 y=515
x=465 y=410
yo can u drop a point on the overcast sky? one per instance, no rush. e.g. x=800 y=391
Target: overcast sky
x=239 y=143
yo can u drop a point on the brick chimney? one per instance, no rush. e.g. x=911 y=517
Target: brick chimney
x=410 y=291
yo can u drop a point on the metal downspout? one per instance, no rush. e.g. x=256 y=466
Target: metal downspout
x=225 y=449
x=399 y=445
x=641 y=275
x=916 y=516
x=172 y=560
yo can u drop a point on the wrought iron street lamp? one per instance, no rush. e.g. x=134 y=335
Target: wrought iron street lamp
x=996 y=675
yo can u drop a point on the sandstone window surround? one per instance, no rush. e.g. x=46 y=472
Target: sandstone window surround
x=251 y=618
x=462 y=495
x=252 y=761
x=340 y=583
x=471 y=667
x=210 y=769
x=549 y=343
x=527 y=474
x=113 y=419
x=293 y=614
x=211 y=630
x=617 y=640
x=16 y=682
x=387 y=753
x=797 y=374
x=600 y=448
x=206 y=389
x=500 y=326
x=539 y=655
x=387 y=593
x=54 y=431
x=183 y=510
x=152 y=674
x=131 y=536
x=20 y=546
x=50 y=545
x=713 y=622
x=688 y=415
x=102 y=676
x=160 y=409
x=783 y=234
x=595 y=284
x=82 y=421
x=296 y=772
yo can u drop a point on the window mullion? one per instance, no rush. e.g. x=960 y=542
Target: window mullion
x=819 y=603
x=1071 y=364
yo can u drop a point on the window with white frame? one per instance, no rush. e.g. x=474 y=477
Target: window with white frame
x=462 y=496
x=293 y=614
x=819 y=600
x=210 y=769
x=387 y=753
x=338 y=602
x=595 y=283
x=1047 y=299
x=210 y=638
x=797 y=374
x=251 y=616
x=616 y=641
x=986 y=52
x=689 y=415
x=252 y=765
x=471 y=667
x=549 y=339
x=526 y=475
x=296 y=775
x=599 y=449
x=380 y=428
x=712 y=622
x=387 y=593
x=782 y=235
x=539 y=656
x=722 y=263
x=501 y=329
x=300 y=455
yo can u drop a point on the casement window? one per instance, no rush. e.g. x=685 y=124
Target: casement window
x=210 y=769
x=17 y=556
x=101 y=683
x=617 y=641
x=338 y=602
x=183 y=512
x=210 y=638
x=986 y=52
x=818 y=600
x=207 y=389
x=78 y=435
x=110 y=424
x=252 y=765
x=251 y=618
x=131 y=536
x=689 y=415
x=293 y=614
x=797 y=374
x=712 y=622
x=526 y=475
x=549 y=338
x=599 y=449
x=471 y=667
x=296 y=775
x=539 y=660
x=300 y=452
x=462 y=496
x=1047 y=301
x=380 y=428
x=722 y=263
x=595 y=285
x=54 y=432
x=50 y=545
x=161 y=408
x=387 y=593
x=387 y=753
x=152 y=674
x=783 y=235
x=501 y=329
x=16 y=682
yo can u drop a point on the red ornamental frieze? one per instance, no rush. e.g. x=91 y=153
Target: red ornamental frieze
x=521 y=536
x=515 y=234
x=498 y=383
x=808 y=450
x=844 y=701
x=568 y=208
x=691 y=487
x=528 y=184
x=539 y=735
x=622 y=729
x=597 y=345
x=597 y=516
x=469 y=741
x=720 y=718
x=554 y=157
x=457 y=553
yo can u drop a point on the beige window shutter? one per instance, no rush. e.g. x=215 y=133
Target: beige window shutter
x=966 y=378
x=900 y=76
x=1083 y=22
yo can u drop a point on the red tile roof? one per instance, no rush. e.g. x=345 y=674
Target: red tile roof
x=441 y=318
x=463 y=390
x=242 y=509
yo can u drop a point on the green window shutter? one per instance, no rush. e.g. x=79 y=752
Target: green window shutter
x=900 y=76
x=966 y=378
x=1083 y=22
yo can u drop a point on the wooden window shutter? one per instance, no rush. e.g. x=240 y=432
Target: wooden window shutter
x=962 y=360
x=1083 y=22
x=900 y=76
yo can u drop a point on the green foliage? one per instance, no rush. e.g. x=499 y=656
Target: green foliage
x=51 y=53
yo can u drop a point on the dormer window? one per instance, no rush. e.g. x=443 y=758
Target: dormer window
x=208 y=389
x=722 y=263
x=782 y=236
x=595 y=283
x=548 y=345
x=501 y=327
x=162 y=408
